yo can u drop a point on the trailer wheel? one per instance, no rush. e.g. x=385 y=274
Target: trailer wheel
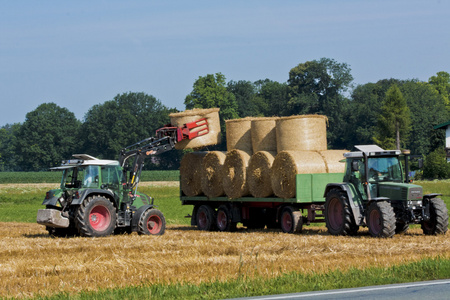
x=152 y=222
x=338 y=217
x=381 y=219
x=291 y=220
x=96 y=217
x=205 y=218
x=223 y=219
x=438 y=223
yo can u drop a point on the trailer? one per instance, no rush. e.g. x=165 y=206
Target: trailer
x=223 y=213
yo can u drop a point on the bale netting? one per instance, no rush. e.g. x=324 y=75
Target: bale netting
x=288 y=164
x=212 y=176
x=259 y=174
x=307 y=132
x=212 y=137
x=264 y=135
x=332 y=159
x=235 y=174
x=191 y=173
x=239 y=135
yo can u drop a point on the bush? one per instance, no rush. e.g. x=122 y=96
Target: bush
x=436 y=165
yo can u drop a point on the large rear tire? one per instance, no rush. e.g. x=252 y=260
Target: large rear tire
x=291 y=220
x=152 y=222
x=438 y=223
x=206 y=218
x=96 y=217
x=381 y=219
x=338 y=217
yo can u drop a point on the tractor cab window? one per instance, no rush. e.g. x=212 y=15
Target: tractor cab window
x=91 y=177
x=385 y=169
x=111 y=175
x=71 y=178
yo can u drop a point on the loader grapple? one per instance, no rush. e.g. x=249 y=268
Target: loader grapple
x=188 y=131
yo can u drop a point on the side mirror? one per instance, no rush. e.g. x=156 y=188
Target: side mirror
x=355 y=166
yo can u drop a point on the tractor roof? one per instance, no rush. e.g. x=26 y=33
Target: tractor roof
x=371 y=150
x=85 y=160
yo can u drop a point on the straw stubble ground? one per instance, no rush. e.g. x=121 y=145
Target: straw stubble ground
x=32 y=263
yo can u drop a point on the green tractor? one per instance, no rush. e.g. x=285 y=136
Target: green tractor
x=99 y=197
x=377 y=193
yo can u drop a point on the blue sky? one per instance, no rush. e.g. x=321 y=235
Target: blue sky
x=81 y=53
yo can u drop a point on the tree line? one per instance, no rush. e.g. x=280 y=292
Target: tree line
x=392 y=113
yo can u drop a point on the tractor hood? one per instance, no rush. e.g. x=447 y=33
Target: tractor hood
x=400 y=191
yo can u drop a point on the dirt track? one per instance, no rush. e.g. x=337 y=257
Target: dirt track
x=33 y=263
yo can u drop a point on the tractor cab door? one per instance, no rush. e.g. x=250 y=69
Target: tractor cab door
x=355 y=175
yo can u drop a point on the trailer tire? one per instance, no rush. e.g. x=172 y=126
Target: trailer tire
x=224 y=219
x=381 y=219
x=291 y=220
x=152 y=222
x=96 y=217
x=338 y=216
x=438 y=223
x=206 y=218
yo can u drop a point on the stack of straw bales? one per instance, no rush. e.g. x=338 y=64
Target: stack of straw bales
x=263 y=157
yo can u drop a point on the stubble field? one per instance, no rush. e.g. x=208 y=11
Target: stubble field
x=32 y=263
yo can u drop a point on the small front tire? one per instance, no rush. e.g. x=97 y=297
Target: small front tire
x=152 y=222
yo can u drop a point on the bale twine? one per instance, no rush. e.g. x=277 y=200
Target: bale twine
x=332 y=160
x=235 y=174
x=264 y=134
x=191 y=173
x=307 y=132
x=288 y=164
x=259 y=174
x=239 y=135
x=211 y=138
x=212 y=176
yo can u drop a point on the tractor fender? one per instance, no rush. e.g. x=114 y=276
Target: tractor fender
x=137 y=216
x=85 y=193
x=355 y=203
x=431 y=196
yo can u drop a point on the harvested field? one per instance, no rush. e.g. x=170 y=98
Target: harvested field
x=32 y=263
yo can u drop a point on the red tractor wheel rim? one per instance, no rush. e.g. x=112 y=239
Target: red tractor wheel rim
x=286 y=222
x=375 y=221
x=154 y=224
x=221 y=220
x=335 y=216
x=99 y=218
x=202 y=220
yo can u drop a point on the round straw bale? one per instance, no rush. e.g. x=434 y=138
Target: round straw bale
x=307 y=132
x=239 y=135
x=191 y=173
x=287 y=164
x=212 y=176
x=332 y=159
x=235 y=174
x=210 y=138
x=264 y=135
x=259 y=174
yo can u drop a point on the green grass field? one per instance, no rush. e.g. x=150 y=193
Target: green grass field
x=20 y=204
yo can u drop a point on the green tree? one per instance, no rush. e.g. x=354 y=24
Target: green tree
x=318 y=86
x=244 y=93
x=8 y=139
x=48 y=135
x=123 y=121
x=394 y=120
x=272 y=98
x=427 y=110
x=441 y=82
x=436 y=165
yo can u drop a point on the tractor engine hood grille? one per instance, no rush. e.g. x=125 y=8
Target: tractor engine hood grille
x=400 y=191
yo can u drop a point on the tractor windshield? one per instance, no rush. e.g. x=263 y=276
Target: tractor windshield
x=385 y=169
